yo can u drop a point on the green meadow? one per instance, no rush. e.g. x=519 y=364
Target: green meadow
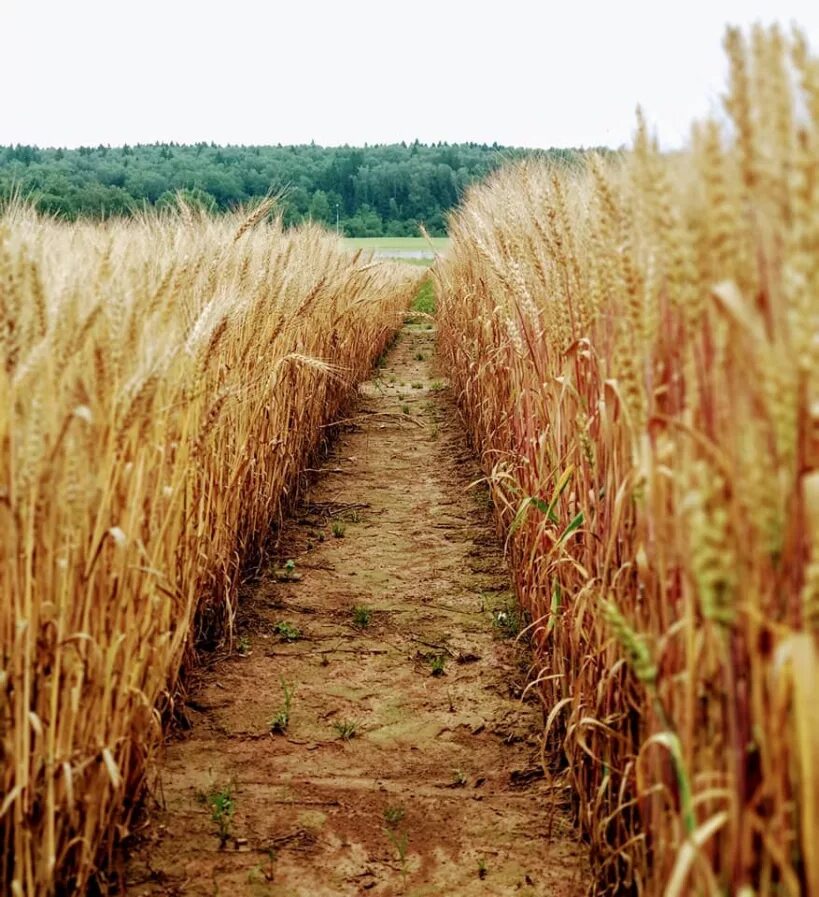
x=414 y=250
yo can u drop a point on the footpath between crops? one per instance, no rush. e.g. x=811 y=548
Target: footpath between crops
x=369 y=735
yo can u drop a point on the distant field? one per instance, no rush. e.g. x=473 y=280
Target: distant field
x=405 y=243
x=416 y=250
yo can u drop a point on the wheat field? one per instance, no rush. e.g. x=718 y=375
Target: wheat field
x=635 y=349
x=633 y=344
x=163 y=381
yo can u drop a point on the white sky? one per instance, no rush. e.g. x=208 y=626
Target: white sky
x=565 y=73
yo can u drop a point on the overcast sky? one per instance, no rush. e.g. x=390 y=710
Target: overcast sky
x=565 y=73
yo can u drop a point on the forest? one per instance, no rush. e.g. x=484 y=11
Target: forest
x=370 y=191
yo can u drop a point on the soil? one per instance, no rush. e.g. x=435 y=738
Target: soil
x=410 y=763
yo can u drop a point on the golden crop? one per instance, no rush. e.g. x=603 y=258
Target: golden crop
x=635 y=347
x=162 y=383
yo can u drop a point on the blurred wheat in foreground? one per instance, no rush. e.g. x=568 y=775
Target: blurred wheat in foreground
x=635 y=347
x=162 y=382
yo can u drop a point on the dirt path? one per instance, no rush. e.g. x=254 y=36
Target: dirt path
x=409 y=764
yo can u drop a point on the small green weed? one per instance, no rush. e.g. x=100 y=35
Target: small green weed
x=287 y=572
x=281 y=718
x=417 y=385
x=399 y=840
x=437 y=665
x=263 y=871
x=222 y=806
x=338 y=528
x=508 y=619
x=361 y=616
x=287 y=632
x=243 y=645
x=346 y=729
x=405 y=409
x=393 y=814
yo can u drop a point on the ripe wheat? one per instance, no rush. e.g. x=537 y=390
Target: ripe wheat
x=635 y=347
x=162 y=383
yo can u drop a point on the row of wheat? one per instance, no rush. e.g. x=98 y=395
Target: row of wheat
x=162 y=382
x=635 y=347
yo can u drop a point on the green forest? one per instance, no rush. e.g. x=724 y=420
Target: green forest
x=370 y=191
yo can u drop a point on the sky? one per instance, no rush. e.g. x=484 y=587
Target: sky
x=536 y=74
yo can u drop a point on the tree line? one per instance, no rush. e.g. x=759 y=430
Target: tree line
x=370 y=191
